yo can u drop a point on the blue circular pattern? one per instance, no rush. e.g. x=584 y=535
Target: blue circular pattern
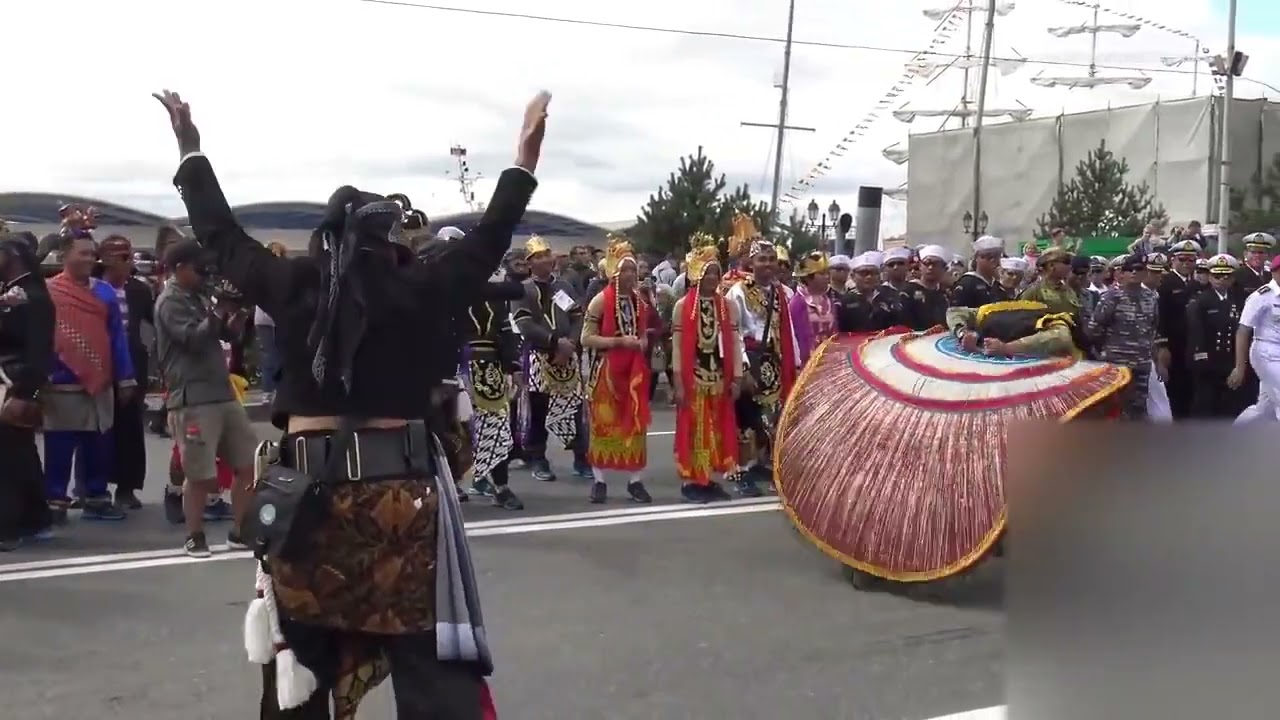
x=948 y=345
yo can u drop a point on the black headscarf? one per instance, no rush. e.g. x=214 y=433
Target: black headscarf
x=354 y=222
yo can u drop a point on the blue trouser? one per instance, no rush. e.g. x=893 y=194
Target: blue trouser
x=91 y=452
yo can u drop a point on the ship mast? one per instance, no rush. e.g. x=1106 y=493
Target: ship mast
x=466 y=180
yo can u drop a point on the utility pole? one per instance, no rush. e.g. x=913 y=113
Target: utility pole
x=968 y=57
x=1224 y=169
x=982 y=106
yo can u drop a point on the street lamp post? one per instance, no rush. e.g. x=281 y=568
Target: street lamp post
x=975 y=229
x=837 y=237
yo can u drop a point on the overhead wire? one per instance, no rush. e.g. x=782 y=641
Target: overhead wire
x=756 y=38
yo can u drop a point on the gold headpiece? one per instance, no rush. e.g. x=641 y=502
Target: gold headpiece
x=535 y=245
x=784 y=255
x=705 y=252
x=744 y=233
x=617 y=253
x=813 y=263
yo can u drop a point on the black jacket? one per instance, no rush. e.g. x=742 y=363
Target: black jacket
x=26 y=338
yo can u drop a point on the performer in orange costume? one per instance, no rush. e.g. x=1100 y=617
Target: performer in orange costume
x=706 y=358
x=618 y=383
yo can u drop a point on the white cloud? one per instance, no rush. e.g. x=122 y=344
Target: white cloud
x=296 y=97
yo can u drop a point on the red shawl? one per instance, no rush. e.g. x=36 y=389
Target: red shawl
x=625 y=367
x=81 y=339
x=689 y=340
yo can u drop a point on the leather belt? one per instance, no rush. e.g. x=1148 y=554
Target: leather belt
x=374 y=453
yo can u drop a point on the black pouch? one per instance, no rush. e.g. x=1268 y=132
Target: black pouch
x=288 y=504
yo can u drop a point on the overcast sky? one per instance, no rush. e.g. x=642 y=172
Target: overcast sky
x=296 y=97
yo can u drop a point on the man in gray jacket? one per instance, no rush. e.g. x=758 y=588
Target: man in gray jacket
x=206 y=420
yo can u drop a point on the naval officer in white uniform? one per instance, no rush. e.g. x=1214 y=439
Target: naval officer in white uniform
x=1258 y=345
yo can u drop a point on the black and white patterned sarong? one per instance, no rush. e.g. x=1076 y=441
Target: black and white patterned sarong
x=562 y=384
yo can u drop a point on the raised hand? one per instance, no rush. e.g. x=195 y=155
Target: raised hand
x=532 y=131
x=184 y=130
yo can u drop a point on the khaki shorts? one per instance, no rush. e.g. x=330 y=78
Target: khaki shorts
x=205 y=433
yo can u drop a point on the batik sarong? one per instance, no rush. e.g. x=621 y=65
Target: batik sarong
x=487 y=384
x=562 y=384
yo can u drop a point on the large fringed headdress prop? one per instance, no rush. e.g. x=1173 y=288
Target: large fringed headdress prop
x=354 y=222
x=704 y=251
x=745 y=235
x=918 y=492
x=616 y=254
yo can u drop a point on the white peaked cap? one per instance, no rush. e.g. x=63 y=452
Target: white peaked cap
x=1013 y=264
x=866 y=260
x=898 y=253
x=937 y=252
x=839 y=260
x=986 y=243
x=450 y=233
x=1223 y=259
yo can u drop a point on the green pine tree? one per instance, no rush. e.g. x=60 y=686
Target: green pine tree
x=1258 y=208
x=1099 y=203
x=693 y=200
x=799 y=237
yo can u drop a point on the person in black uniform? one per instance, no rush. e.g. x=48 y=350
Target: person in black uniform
x=869 y=306
x=1213 y=315
x=925 y=302
x=1176 y=289
x=981 y=285
x=1252 y=273
x=350 y=570
x=26 y=354
x=894 y=271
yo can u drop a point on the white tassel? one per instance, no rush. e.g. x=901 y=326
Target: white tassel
x=259 y=640
x=294 y=681
x=257 y=633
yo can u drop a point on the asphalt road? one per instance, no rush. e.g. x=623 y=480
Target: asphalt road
x=620 y=613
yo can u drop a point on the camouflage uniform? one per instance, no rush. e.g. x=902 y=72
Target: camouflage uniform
x=1123 y=328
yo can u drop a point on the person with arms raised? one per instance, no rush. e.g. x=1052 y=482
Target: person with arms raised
x=368 y=564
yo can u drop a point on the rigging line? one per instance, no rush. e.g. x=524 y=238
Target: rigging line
x=760 y=38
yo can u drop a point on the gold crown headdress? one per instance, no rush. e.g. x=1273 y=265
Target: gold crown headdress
x=534 y=246
x=784 y=255
x=705 y=251
x=811 y=264
x=745 y=233
x=616 y=254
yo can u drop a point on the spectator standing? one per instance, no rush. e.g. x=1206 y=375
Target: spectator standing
x=204 y=415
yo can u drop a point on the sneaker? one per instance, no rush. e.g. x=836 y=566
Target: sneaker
x=638 y=493
x=128 y=500
x=173 y=506
x=235 y=541
x=693 y=493
x=58 y=512
x=716 y=492
x=507 y=500
x=196 y=546
x=9 y=545
x=542 y=470
x=582 y=469
x=599 y=493
x=44 y=535
x=463 y=496
x=102 y=509
x=218 y=511
x=482 y=486
x=746 y=486
x=76 y=504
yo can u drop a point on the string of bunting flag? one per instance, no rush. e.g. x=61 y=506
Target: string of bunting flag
x=914 y=69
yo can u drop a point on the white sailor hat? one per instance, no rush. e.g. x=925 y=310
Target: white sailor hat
x=935 y=252
x=839 y=261
x=1185 y=247
x=1222 y=264
x=898 y=254
x=866 y=261
x=1259 y=241
x=450 y=233
x=1013 y=264
x=987 y=243
x=875 y=256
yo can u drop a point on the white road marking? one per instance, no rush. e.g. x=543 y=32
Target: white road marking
x=89 y=565
x=657 y=433
x=998 y=712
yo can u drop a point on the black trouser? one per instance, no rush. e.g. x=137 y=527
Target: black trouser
x=1213 y=399
x=129 y=437
x=425 y=688
x=24 y=510
x=1181 y=389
